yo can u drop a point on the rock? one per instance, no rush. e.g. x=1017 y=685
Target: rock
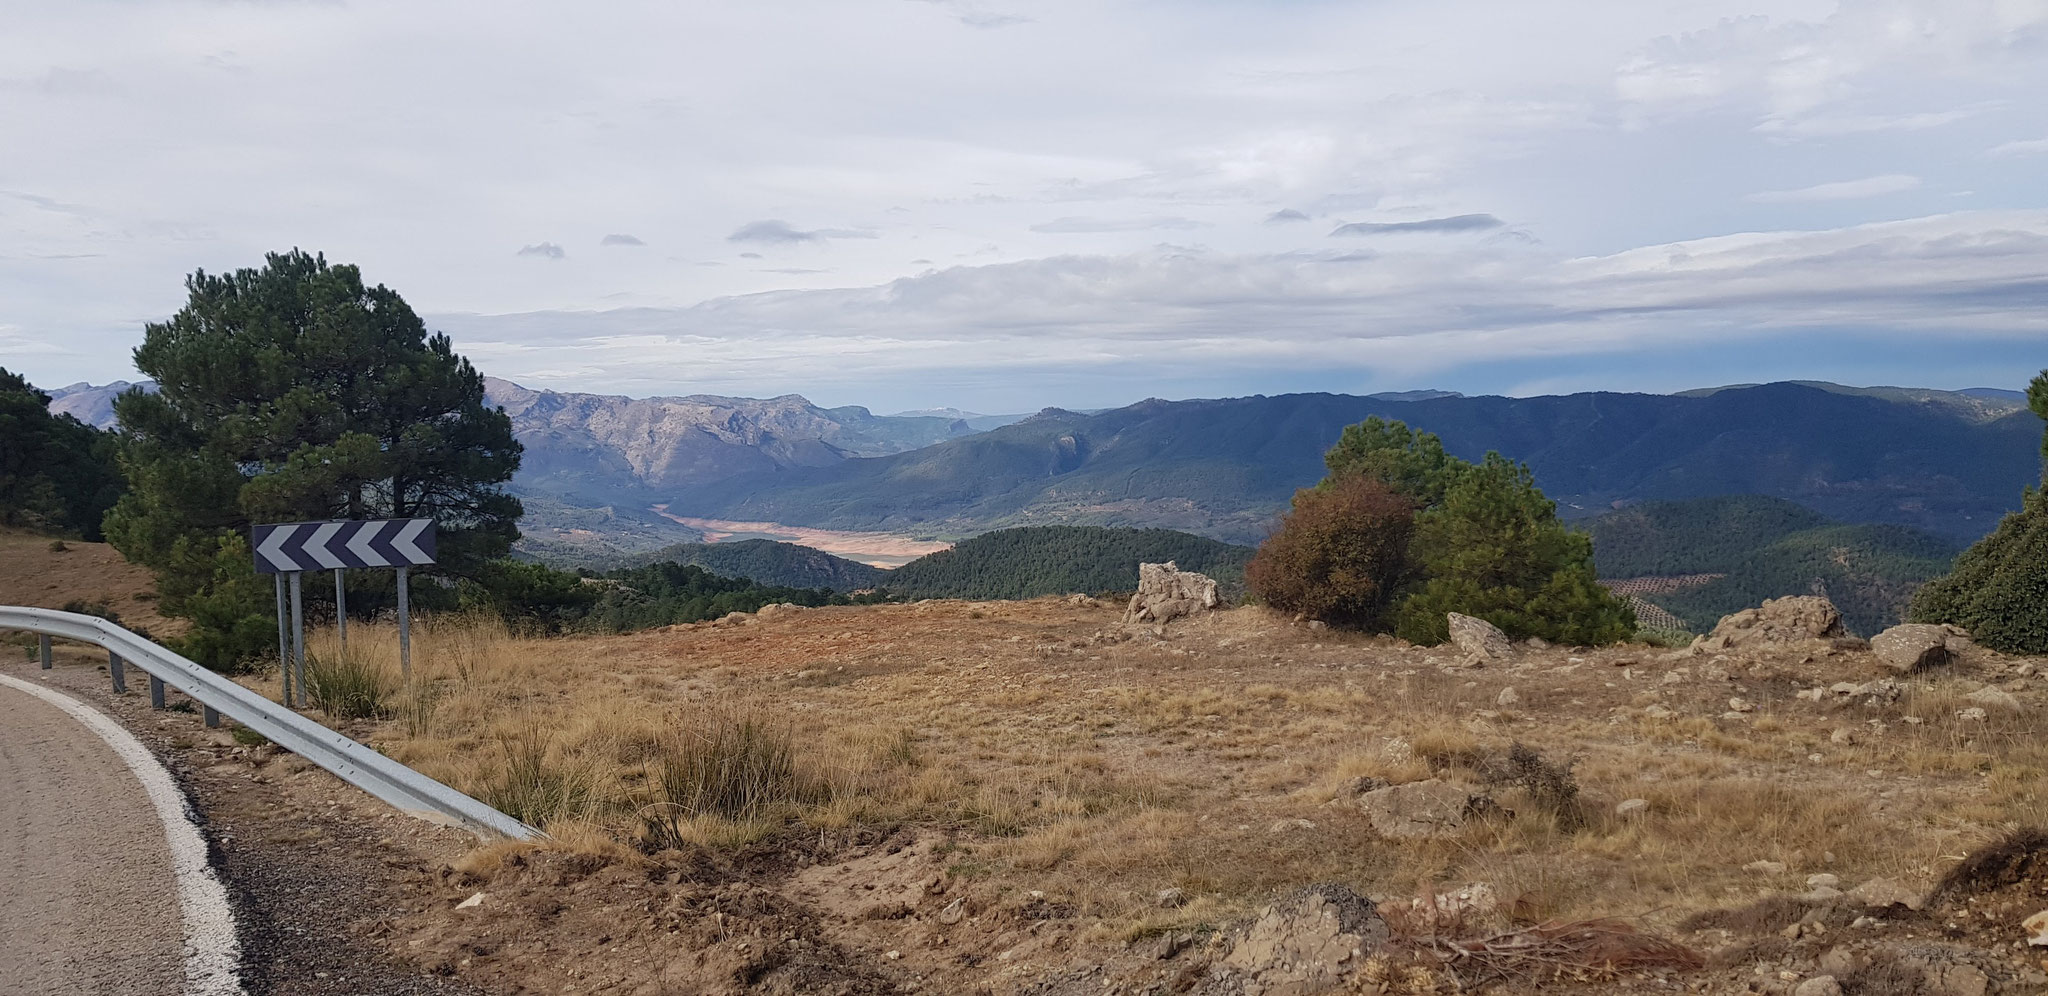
x=1657 y=712
x=956 y=910
x=1166 y=593
x=1632 y=807
x=1972 y=714
x=1792 y=619
x=1171 y=899
x=1507 y=697
x=1536 y=643
x=1819 y=985
x=1955 y=979
x=1313 y=941
x=779 y=609
x=1884 y=892
x=1822 y=880
x=1282 y=826
x=1993 y=697
x=1740 y=705
x=1911 y=647
x=1079 y=601
x=1765 y=867
x=1477 y=637
x=2036 y=927
x=471 y=903
x=1433 y=808
x=1842 y=735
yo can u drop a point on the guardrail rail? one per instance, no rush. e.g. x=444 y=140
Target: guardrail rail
x=405 y=789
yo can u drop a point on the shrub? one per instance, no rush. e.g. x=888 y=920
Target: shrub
x=732 y=763
x=347 y=687
x=1495 y=549
x=528 y=596
x=536 y=787
x=1999 y=587
x=1341 y=554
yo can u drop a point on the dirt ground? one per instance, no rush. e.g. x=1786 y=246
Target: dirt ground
x=1029 y=798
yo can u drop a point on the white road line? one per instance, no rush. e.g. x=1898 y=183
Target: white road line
x=212 y=952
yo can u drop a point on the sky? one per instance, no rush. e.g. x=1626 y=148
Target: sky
x=1001 y=205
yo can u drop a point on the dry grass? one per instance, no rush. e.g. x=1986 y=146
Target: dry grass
x=1218 y=762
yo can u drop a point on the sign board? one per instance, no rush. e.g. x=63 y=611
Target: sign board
x=287 y=547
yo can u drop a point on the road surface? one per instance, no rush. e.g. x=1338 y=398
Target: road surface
x=95 y=895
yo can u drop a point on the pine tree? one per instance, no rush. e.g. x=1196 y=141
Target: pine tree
x=57 y=474
x=295 y=392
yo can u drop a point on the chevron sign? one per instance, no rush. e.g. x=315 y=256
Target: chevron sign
x=321 y=546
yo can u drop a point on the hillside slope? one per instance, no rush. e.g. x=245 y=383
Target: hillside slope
x=1224 y=468
x=1766 y=548
x=1056 y=560
x=771 y=563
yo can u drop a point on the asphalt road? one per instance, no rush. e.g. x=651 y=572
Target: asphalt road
x=89 y=899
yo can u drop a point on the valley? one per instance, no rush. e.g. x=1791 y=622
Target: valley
x=875 y=549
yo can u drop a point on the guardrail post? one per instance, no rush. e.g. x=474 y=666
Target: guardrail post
x=212 y=717
x=120 y=676
x=43 y=647
x=156 y=692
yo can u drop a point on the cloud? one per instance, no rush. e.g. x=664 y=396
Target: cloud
x=750 y=255
x=976 y=15
x=621 y=240
x=1454 y=223
x=1845 y=190
x=1818 y=125
x=548 y=250
x=1285 y=215
x=781 y=232
x=2023 y=147
x=1072 y=224
x=1184 y=313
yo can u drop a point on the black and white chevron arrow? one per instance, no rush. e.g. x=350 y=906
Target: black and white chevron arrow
x=323 y=546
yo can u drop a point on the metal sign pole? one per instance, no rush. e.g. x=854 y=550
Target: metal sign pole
x=298 y=639
x=284 y=647
x=404 y=628
x=341 y=610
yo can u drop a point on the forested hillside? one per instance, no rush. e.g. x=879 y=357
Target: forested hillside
x=1768 y=548
x=57 y=474
x=1055 y=560
x=771 y=563
x=1225 y=468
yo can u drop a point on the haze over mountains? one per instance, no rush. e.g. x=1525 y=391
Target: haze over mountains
x=595 y=465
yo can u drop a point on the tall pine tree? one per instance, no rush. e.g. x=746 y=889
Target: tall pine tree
x=295 y=392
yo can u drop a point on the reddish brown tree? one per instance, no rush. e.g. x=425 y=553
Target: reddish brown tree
x=1340 y=555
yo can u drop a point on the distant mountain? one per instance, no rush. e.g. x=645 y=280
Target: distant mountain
x=1422 y=395
x=1766 y=548
x=771 y=563
x=1981 y=403
x=1058 y=560
x=1225 y=468
x=92 y=404
x=979 y=423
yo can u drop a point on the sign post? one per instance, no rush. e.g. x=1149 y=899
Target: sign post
x=288 y=549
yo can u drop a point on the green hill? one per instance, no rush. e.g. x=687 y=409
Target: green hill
x=1226 y=468
x=768 y=562
x=1767 y=548
x=1055 y=560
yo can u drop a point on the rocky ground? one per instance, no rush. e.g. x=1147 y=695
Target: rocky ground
x=1038 y=798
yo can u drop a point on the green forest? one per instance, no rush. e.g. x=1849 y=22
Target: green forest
x=1055 y=560
x=1768 y=547
x=772 y=563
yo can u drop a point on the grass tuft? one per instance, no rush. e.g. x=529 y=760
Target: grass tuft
x=347 y=686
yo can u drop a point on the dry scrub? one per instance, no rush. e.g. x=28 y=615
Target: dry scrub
x=1056 y=767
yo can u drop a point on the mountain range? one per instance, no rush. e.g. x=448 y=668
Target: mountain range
x=1947 y=462
x=1224 y=468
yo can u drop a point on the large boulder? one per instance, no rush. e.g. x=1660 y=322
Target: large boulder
x=1166 y=593
x=1913 y=646
x=1433 y=808
x=1477 y=637
x=1792 y=619
x=1312 y=941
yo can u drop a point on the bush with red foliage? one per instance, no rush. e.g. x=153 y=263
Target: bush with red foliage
x=1340 y=555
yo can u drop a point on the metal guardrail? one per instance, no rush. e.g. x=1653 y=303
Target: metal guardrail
x=409 y=791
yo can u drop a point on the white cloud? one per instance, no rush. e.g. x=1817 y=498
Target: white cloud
x=1174 y=312
x=2022 y=147
x=1845 y=190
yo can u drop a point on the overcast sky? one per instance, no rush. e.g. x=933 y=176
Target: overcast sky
x=1006 y=204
